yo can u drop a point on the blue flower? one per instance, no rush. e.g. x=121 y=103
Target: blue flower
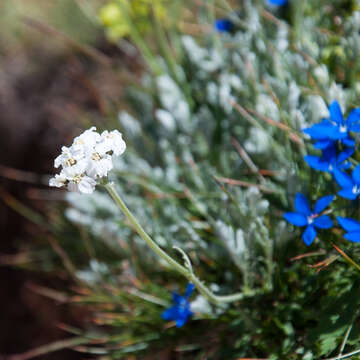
x=352 y=227
x=350 y=184
x=330 y=160
x=336 y=128
x=277 y=2
x=180 y=312
x=305 y=217
x=224 y=25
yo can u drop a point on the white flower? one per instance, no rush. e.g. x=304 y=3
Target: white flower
x=82 y=184
x=69 y=156
x=77 y=180
x=58 y=180
x=99 y=166
x=87 y=139
x=111 y=141
x=88 y=159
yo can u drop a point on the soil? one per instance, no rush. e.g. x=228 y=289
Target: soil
x=44 y=97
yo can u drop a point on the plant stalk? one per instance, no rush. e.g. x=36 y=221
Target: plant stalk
x=173 y=263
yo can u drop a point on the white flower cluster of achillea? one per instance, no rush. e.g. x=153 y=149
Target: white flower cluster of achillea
x=87 y=160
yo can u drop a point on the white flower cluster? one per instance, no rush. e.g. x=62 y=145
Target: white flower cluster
x=88 y=159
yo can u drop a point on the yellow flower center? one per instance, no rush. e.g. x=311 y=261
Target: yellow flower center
x=96 y=157
x=70 y=162
x=76 y=179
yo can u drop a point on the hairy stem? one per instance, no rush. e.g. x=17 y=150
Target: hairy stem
x=173 y=263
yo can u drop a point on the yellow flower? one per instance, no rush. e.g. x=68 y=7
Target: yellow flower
x=110 y=14
x=115 y=15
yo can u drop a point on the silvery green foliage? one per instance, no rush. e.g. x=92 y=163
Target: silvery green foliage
x=245 y=243
x=180 y=148
x=179 y=174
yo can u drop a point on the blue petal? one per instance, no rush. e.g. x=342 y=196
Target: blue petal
x=353 y=117
x=189 y=290
x=343 y=179
x=322 y=203
x=177 y=298
x=329 y=153
x=277 y=2
x=344 y=166
x=326 y=122
x=348 y=141
x=309 y=235
x=355 y=128
x=348 y=224
x=353 y=236
x=170 y=314
x=336 y=113
x=224 y=25
x=302 y=204
x=347 y=193
x=296 y=218
x=344 y=155
x=356 y=175
x=336 y=134
x=180 y=322
x=323 y=222
x=319 y=131
x=317 y=163
x=323 y=144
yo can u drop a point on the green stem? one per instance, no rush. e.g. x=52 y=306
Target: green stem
x=154 y=66
x=173 y=263
x=139 y=229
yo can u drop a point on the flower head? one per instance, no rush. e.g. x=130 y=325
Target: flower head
x=180 y=312
x=88 y=159
x=329 y=161
x=335 y=128
x=352 y=227
x=350 y=184
x=277 y=2
x=224 y=25
x=311 y=219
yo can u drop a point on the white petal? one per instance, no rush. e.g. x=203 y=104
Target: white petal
x=58 y=180
x=58 y=161
x=119 y=147
x=103 y=147
x=78 y=169
x=119 y=144
x=87 y=185
x=100 y=167
x=88 y=138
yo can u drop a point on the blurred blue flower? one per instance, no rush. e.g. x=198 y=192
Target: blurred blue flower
x=350 y=184
x=277 y=2
x=329 y=160
x=352 y=227
x=336 y=128
x=224 y=25
x=305 y=217
x=180 y=312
